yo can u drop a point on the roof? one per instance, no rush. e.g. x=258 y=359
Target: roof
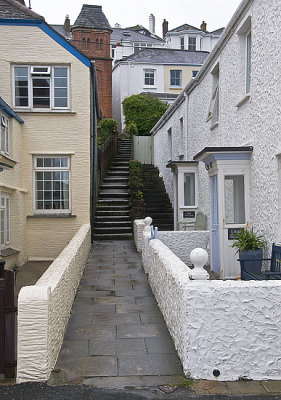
x=187 y=27
x=62 y=31
x=12 y=9
x=9 y=111
x=120 y=34
x=168 y=56
x=91 y=17
x=184 y=27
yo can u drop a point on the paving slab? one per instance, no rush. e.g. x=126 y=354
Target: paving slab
x=204 y=387
x=116 y=330
x=136 y=382
x=246 y=387
x=272 y=386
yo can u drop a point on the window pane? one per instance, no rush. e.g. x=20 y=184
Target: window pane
x=234 y=199
x=60 y=72
x=60 y=87
x=175 y=78
x=60 y=102
x=189 y=189
x=21 y=86
x=47 y=162
x=248 y=62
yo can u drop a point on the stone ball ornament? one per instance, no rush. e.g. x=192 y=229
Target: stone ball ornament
x=199 y=257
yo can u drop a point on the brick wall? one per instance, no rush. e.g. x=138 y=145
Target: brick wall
x=95 y=44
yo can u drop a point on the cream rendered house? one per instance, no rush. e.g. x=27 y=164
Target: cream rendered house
x=48 y=123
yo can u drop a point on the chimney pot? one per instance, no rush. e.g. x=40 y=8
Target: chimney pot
x=203 y=26
x=67 y=23
x=165 y=27
x=152 y=23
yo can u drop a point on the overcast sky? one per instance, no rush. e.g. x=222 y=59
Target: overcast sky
x=216 y=13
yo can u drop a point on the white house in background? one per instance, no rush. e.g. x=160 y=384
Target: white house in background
x=161 y=72
x=124 y=42
x=188 y=37
x=218 y=146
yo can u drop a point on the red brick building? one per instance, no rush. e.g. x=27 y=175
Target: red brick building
x=91 y=35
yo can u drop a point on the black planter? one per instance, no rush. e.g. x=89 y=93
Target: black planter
x=250 y=260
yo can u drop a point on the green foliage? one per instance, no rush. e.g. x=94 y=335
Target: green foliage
x=107 y=128
x=144 y=111
x=136 y=189
x=132 y=129
x=248 y=240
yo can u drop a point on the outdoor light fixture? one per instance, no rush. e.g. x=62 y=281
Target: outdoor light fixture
x=208 y=166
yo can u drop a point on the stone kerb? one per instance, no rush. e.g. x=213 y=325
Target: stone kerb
x=223 y=330
x=44 y=309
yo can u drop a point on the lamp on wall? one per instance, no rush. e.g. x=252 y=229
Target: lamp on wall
x=208 y=166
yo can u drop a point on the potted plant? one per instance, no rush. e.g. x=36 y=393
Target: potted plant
x=250 y=247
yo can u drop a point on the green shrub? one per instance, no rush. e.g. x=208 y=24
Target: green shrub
x=132 y=129
x=144 y=111
x=107 y=128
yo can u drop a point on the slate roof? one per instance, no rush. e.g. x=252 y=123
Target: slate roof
x=9 y=111
x=12 y=9
x=187 y=27
x=91 y=17
x=168 y=56
x=118 y=35
x=62 y=31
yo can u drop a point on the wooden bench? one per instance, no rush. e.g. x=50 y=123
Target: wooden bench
x=249 y=272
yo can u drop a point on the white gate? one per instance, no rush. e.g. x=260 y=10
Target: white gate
x=143 y=149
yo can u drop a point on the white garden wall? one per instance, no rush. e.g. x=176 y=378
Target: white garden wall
x=230 y=326
x=44 y=310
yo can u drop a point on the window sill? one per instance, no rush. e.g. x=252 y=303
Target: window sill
x=8 y=252
x=45 y=112
x=214 y=126
x=150 y=87
x=176 y=87
x=243 y=100
x=51 y=215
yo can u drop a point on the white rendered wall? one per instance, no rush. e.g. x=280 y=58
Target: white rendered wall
x=231 y=326
x=255 y=123
x=128 y=79
x=44 y=310
x=207 y=43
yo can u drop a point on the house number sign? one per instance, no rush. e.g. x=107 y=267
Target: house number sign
x=189 y=214
x=232 y=232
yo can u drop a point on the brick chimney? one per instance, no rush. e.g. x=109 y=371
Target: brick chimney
x=67 y=23
x=203 y=26
x=165 y=27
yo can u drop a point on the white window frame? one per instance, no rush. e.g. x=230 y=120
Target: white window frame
x=51 y=169
x=4 y=131
x=5 y=208
x=181 y=173
x=175 y=70
x=149 y=71
x=182 y=42
x=49 y=73
x=192 y=45
x=248 y=51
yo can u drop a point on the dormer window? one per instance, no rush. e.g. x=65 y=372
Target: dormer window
x=192 y=43
x=41 y=87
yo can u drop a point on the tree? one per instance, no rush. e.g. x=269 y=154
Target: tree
x=144 y=111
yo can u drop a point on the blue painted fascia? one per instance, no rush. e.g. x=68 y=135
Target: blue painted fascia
x=9 y=111
x=226 y=157
x=49 y=31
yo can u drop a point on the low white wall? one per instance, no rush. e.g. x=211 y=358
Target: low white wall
x=44 y=310
x=138 y=230
x=231 y=326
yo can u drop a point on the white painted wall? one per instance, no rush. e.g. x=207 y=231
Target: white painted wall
x=232 y=326
x=204 y=41
x=128 y=79
x=44 y=310
x=256 y=122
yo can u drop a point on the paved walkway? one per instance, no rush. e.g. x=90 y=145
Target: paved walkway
x=116 y=335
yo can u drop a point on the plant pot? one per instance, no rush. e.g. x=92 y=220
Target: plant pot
x=250 y=260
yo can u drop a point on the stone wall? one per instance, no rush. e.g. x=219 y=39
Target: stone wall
x=44 y=310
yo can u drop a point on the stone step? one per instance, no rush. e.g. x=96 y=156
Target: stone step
x=113 y=185
x=112 y=195
x=119 y=169
x=117 y=201
x=112 y=230
x=112 y=217
x=118 y=174
x=115 y=236
x=113 y=224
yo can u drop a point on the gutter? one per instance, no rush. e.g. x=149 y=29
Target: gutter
x=205 y=68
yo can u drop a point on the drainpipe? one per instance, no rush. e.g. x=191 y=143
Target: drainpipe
x=93 y=76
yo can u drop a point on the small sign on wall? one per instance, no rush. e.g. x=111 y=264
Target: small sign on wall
x=189 y=214
x=232 y=232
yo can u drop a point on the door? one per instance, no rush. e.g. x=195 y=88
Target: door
x=215 y=248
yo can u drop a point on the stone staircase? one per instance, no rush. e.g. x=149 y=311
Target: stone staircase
x=158 y=205
x=112 y=216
